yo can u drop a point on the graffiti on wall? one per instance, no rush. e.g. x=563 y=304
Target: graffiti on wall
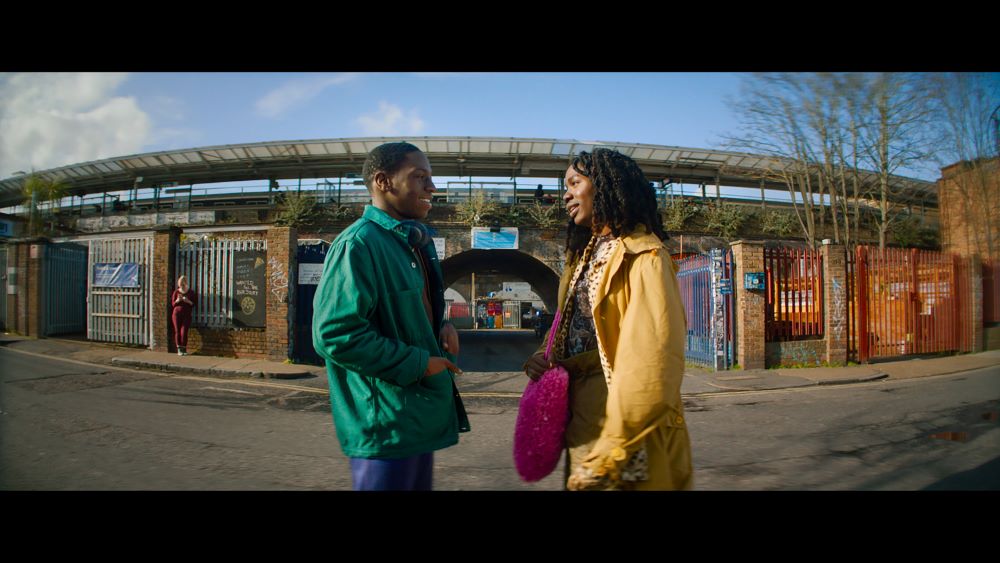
x=839 y=314
x=279 y=280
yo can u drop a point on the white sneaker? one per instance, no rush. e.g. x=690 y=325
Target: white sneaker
x=179 y=353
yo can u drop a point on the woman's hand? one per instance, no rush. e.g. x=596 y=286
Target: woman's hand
x=536 y=366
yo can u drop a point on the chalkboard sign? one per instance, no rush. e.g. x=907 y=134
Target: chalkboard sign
x=249 y=288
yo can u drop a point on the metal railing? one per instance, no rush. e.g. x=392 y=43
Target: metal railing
x=209 y=267
x=794 y=294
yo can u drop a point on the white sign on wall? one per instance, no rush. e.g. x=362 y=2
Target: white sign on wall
x=439 y=247
x=309 y=274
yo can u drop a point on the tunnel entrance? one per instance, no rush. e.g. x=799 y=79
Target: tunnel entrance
x=478 y=275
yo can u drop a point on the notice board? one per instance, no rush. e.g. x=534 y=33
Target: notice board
x=249 y=288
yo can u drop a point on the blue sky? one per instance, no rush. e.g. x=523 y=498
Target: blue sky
x=55 y=119
x=49 y=120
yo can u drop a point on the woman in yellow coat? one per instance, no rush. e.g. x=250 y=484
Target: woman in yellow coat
x=622 y=334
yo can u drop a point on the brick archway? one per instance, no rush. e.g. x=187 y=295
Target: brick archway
x=542 y=278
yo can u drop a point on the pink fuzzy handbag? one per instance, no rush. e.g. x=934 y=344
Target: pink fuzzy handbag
x=541 y=419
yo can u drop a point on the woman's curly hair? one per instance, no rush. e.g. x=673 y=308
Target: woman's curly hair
x=623 y=197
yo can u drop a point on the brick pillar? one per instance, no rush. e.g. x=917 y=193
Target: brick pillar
x=976 y=275
x=835 y=329
x=164 y=279
x=281 y=246
x=17 y=303
x=750 y=345
x=36 y=287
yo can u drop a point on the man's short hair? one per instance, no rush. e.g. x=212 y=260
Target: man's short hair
x=386 y=158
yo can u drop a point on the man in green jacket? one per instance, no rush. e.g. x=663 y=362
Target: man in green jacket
x=378 y=323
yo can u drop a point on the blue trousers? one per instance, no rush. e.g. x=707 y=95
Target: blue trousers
x=407 y=474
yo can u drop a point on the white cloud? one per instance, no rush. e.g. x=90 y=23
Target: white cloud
x=298 y=92
x=49 y=120
x=390 y=120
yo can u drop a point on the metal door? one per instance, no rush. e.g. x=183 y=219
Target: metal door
x=911 y=302
x=118 y=310
x=65 y=290
x=311 y=254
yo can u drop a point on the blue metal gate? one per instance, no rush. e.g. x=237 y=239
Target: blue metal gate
x=707 y=292
x=65 y=289
x=311 y=254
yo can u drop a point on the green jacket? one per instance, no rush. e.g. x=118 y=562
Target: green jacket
x=371 y=327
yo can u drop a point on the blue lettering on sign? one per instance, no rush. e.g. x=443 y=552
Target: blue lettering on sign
x=116 y=275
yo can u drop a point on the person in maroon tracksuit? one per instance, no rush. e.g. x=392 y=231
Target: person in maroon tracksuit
x=181 y=302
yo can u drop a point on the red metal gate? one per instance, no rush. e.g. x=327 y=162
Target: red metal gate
x=911 y=301
x=991 y=292
x=794 y=294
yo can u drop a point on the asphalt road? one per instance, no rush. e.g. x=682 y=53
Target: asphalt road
x=72 y=426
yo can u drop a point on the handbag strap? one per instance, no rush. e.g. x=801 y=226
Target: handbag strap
x=552 y=334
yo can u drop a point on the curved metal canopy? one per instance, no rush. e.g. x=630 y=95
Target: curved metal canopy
x=449 y=156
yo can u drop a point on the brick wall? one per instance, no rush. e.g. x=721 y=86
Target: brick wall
x=164 y=280
x=969 y=200
x=229 y=343
x=25 y=307
x=281 y=269
x=800 y=353
x=750 y=337
x=232 y=342
x=835 y=303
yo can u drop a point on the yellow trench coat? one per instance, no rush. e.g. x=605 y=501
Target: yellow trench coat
x=641 y=324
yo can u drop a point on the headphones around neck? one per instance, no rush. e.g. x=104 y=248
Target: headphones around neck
x=417 y=234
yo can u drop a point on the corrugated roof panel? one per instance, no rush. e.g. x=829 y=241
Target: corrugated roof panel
x=315 y=149
x=150 y=161
x=524 y=147
x=437 y=146
x=642 y=153
x=541 y=148
x=357 y=147
x=479 y=146
x=102 y=167
x=211 y=156
x=500 y=147
x=335 y=148
x=260 y=152
x=561 y=149
x=454 y=146
x=192 y=156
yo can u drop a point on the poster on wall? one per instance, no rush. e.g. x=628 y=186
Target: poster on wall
x=495 y=238
x=116 y=275
x=249 y=289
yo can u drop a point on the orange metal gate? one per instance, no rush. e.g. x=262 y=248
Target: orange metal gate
x=911 y=301
x=793 y=294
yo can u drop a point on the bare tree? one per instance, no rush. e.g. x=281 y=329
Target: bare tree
x=894 y=135
x=772 y=123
